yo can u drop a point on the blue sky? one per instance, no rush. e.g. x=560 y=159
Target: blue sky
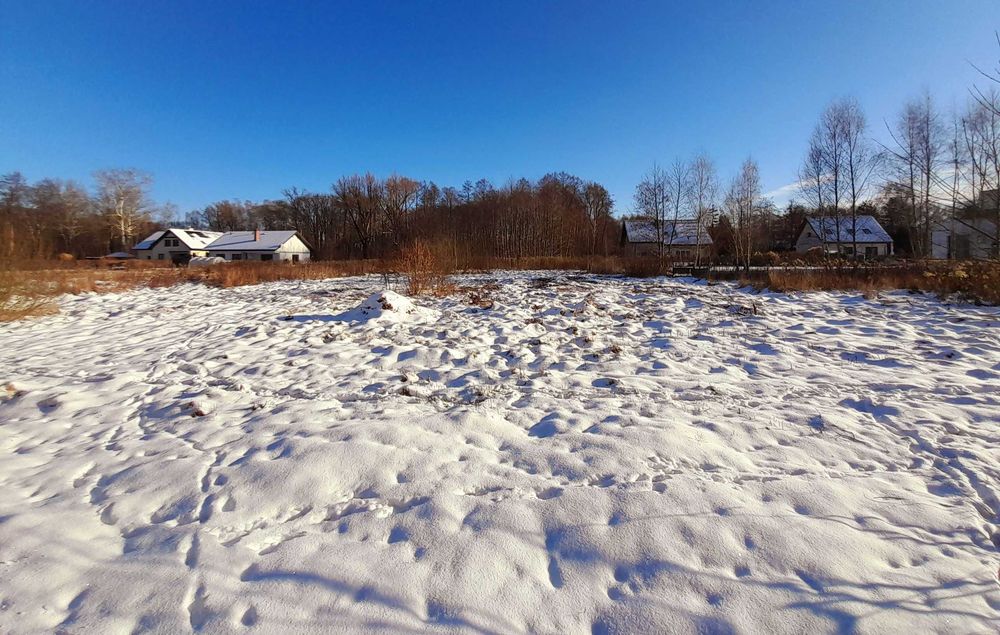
x=240 y=100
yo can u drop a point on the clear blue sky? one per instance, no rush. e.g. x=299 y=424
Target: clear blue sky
x=242 y=99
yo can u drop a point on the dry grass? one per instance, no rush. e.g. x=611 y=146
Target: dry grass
x=17 y=299
x=238 y=274
x=30 y=288
x=972 y=281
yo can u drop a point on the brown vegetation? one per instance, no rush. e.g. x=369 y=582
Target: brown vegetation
x=425 y=271
x=977 y=282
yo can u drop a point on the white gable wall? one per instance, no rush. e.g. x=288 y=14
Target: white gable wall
x=160 y=251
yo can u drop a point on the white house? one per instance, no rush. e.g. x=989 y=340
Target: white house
x=175 y=245
x=836 y=235
x=285 y=245
x=971 y=233
x=682 y=240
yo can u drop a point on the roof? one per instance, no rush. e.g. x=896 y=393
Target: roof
x=148 y=242
x=244 y=241
x=195 y=238
x=869 y=231
x=192 y=238
x=683 y=232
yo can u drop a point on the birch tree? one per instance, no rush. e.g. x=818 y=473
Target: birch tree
x=702 y=196
x=123 y=198
x=743 y=203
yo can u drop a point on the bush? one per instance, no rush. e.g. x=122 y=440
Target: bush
x=424 y=270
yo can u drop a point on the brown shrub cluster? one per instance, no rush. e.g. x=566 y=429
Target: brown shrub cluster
x=425 y=270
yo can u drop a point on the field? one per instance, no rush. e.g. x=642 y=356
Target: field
x=533 y=452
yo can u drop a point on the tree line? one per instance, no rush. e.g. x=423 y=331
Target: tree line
x=936 y=169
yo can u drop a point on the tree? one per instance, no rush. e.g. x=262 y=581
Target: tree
x=399 y=200
x=813 y=183
x=917 y=157
x=123 y=199
x=360 y=198
x=743 y=204
x=860 y=160
x=702 y=194
x=652 y=200
x=679 y=185
x=598 y=204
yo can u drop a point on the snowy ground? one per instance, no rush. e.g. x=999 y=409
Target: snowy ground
x=588 y=455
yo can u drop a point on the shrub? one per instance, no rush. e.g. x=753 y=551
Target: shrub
x=424 y=270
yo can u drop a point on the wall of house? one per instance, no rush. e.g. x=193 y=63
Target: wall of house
x=160 y=251
x=807 y=240
x=972 y=238
x=294 y=250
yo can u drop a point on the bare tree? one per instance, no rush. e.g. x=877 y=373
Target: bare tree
x=361 y=198
x=123 y=198
x=652 y=199
x=679 y=186
x=860 y=160
x=400 y=197
x=702 y=197
x=743 y=203
x=813 y=181
x=917 y=156
x=597 y=204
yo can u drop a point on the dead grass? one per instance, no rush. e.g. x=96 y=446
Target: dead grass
x=29 y=289
x=18 y=300
x=238 y=274
x=977 y=282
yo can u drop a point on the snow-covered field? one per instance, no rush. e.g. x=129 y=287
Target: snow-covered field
x=588 y=455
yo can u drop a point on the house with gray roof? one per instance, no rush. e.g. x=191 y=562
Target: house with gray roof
x=683 y=240
x=271 y=245
x=840 y=234
x=180 y=245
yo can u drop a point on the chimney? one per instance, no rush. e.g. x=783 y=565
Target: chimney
x=256 y=234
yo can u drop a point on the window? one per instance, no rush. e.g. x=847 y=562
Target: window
x=871 y=252
x=159 y=256
x=237 y=256
x=866 y=231
x=266 y=257
x=295 y=257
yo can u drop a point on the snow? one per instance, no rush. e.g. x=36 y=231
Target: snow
x=237 y=241
x=206 y=261
x=195 y=239
x=684 y=232
x=587 y=455
x=869 y=230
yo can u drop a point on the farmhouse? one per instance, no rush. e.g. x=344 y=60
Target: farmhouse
x=835 y=235
x=180 y=245
x=683 y=240
x=283 y=245
x=176 y=245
